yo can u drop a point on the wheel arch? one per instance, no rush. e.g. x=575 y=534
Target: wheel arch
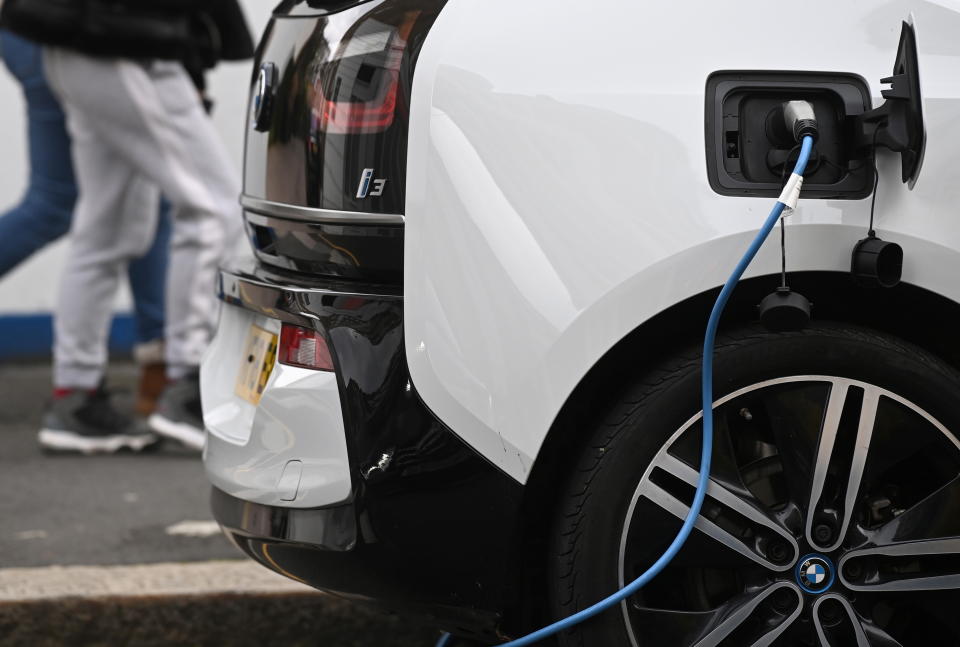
x=908 y=311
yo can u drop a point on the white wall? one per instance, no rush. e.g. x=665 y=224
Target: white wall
x=32 y=286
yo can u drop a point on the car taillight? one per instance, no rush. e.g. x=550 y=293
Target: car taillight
x=357 y=92
x=304 y=348
x=346 y=117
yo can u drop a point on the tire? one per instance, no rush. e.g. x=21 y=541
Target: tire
x=608 y=503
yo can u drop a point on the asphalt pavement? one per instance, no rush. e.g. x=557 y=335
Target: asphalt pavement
x=122 y=550
x=104 y=509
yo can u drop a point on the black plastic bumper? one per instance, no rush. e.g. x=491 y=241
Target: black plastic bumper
x=431 y=528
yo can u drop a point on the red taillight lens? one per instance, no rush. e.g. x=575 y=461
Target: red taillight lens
x=303 y=347
x=345 y=117
x=356 y=93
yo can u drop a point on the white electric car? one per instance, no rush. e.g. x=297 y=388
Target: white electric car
x=462 y=378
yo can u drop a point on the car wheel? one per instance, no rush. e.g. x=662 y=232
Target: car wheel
x=833 y=513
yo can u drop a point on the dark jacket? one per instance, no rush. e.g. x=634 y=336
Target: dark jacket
x=198 y=33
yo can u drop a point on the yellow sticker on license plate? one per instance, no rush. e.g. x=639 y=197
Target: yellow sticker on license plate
x=259 y=356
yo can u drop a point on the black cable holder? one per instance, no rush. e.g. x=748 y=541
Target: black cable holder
x=874 y=262
x=783 y=309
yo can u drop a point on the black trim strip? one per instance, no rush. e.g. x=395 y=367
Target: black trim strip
x=288 y=301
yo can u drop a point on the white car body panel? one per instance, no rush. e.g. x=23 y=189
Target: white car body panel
x=554 y=204
x=288 y=451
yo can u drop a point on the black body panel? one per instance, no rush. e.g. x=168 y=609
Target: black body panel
x=435 y=524
x=360 y=58
x=346 y=250
x=431 y=527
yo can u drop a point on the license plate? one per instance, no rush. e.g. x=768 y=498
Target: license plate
x=259 y=356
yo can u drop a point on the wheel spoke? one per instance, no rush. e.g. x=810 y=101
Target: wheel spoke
x=758 y=530
x=925 y=565
x=737 y=615
x=853 y=467
x=865 y=633
x=710 y=628
x=828 y=437
x=824 y=634
x=909 y=553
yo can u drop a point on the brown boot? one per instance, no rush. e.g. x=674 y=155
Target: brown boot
x=153 y=379
x=153 y=376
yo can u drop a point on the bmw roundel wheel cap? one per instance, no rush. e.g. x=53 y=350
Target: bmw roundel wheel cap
x=815 y=573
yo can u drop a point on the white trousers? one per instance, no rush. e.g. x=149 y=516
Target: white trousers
x=138 y=127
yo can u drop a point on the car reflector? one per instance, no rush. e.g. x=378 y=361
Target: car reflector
x=305 y=348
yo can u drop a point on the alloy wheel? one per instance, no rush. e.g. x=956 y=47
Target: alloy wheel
x=832 y=518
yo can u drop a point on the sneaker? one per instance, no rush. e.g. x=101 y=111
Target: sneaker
x=178 y=413
x=86 y=422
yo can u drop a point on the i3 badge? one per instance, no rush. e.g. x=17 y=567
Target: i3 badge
x=368 y=185
x=815 y=573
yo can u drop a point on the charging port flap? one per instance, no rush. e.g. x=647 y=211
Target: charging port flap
x=898 y=123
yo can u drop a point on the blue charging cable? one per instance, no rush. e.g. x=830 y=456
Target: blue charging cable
x=806 y=146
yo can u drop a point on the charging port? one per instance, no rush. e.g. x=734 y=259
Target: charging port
x=750 y=152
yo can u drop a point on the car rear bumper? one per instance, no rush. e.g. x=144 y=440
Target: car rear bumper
x=405 y=514
x=327 y=548
x=290 y=448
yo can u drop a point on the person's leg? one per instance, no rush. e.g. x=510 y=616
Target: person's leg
x=207 y=213
x=44 y=213
x=148 y=275
x=46 y=210
x=114 y=222
x=208 y=225
x=151 y=116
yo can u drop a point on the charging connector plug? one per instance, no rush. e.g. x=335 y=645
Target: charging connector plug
x=801 y=120
x=784 y=309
